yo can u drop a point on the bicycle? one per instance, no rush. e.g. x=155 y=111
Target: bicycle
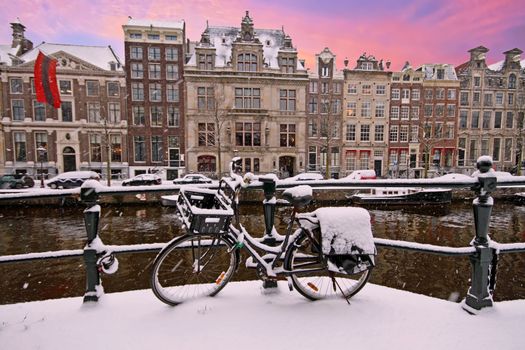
x=202 y=261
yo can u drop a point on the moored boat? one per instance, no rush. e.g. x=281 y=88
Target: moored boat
x=519 y=198
x=400 y=196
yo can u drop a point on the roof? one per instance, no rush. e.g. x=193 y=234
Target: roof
x=156 y=23
x=5 y=52
x=431 y=70
x=499 y=65
x=99 y=56
x=222 y=38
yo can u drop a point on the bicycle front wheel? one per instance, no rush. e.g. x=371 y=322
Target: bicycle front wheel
x=311 y=277
x=192 y=267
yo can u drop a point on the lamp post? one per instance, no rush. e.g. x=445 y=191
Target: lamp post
x=41 y=153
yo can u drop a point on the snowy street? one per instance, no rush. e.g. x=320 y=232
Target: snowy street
x=241 y=316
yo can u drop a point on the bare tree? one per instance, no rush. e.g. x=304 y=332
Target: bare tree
x=428 y=141
x=520 y=127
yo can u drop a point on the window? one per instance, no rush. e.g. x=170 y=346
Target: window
x=288 y=64
x=312 y=128
x=113 y=88
x=247 y=62
x=92 y=88
x=487 y=115
x=449 y=131
x=350 y=132
x=312 y=158
x=114 y=112
x=170 y=37
x=352 y=89
x=287 y=100
x=247 y=98
x=95 y=149
x=364 y=159
x=18 y=111
x=20 y=146
x=205 y=61
x=154 y=53
x=334 y=159
x=137 y=71
x=174 y=151
x=312 y=88
x=477 y=81
x=351 y=160
x=366 y=66
x=380 y=109
x=287 y=135
x=496 y=150
x=484 y=147
x=205 y=98
x=365 y=132
x=324 y=88
x=487 y=99
x=325 y=72
x=66 y=108
x=415 y=94
x=93 y=109
x=65 y=87
x=474 y=122
x=510 y=99
x=367 y=89
x=394 y=112
x=405 y=94
x=366 y=109
x=440 y=110
x=135 y=35
x=380 y=89
x=135 y=53
x=206 y=134
x=451 y=110
x=17 y=86
x=138 y=115
x=463 y=119
x=415 y=113
x=512 y=81
x=337 y=88
x=172 y=53
x=497 y=120
x=154 y=71
x=451 y=94
x=139 y=151
x=405 y=111
x=41 y=141
x=379 y=133
x=428 y=110
x=312 y=105
x=499 y=98
x=155 y=93
x=116 y=147
x=394 y=131
x=462 y=144
x=507 y=153
x=440 y=73
x=172 y=72
x=428 y=94
x=156 y=148
x=156 y=115
x=172 y=93
x=473 y=151
x=414 y=133
x=438 y=130
x=351 y=108
x=463 y=98
x=336 y=106
x=395 y=94
x=476 y=98
x=510 y=120
x=173 y=116
x=39 y=111
x=247 y=134
x=440 y=94
x=324 y=106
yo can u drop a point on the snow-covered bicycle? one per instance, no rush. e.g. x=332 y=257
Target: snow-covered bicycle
x=325 y=253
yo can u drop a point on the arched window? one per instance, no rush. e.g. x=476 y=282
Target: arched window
x=206 y=164
x=512 y=81
x=246 y=62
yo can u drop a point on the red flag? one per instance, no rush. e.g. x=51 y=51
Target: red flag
x=46 y=80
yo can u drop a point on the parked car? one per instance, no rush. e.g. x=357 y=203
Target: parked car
x=192 y=179
x=306 y=177
x=16 y=181
x=143 y=179
x=72 y=179
x=367 y=174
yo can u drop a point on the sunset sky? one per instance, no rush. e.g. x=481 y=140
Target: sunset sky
x=420 y=31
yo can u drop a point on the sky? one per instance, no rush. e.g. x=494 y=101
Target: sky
x=243 y=316
x=418 y=31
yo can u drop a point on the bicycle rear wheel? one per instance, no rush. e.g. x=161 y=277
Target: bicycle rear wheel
x=316 y=281
x=192 y=267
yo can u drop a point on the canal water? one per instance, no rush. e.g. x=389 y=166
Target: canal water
x=37 y=229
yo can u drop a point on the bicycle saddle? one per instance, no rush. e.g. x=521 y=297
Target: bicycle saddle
x=299 y=196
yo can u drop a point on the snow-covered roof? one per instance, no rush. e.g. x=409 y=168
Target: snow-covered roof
x=156 y=23
x=499 y=65
x=431 y=71
x=5 y=52
x=222 y=38
x=100 y=56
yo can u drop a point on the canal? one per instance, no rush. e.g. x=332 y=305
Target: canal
x=37 y=229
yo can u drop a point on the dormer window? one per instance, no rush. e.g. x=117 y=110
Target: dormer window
x=325 y=72
x=440 y=73
x=268 y=43
x=153 y=36
x=247 y=62
x=512 y=81
x=205 y=61
x=366 y=66
x=135 y=35
x=288 y=65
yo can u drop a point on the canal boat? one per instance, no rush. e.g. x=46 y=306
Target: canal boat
x=519 y=198
x=400 y=196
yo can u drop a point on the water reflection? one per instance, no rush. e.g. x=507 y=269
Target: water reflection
x=25 y=230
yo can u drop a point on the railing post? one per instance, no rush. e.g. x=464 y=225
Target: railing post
x=89 y=196
x=269 y=209
x=480 y=294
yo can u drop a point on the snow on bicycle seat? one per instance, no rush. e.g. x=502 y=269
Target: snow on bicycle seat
x=345 y=230
x=299 y=196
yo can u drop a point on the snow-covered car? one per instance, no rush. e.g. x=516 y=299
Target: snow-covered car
x=72 y=179
x=16 y=181
x=366 y=174
x=143 y=179
x=192 y=179
x=306 y=177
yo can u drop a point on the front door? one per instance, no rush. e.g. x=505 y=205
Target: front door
x=70 y=159
x=286 y=166
x=378 y=165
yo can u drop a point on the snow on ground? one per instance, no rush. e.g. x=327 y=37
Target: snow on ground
x=241 y=316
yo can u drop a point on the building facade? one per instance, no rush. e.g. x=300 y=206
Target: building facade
x=324 y=112
x=154 y=56
x=86 y=133
x=245 y=96
x=491 y=109
x=366 y=116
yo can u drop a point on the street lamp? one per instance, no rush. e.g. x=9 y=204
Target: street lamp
x=41 y=153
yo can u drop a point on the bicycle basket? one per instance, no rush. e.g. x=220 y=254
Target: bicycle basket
x=203 y=211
